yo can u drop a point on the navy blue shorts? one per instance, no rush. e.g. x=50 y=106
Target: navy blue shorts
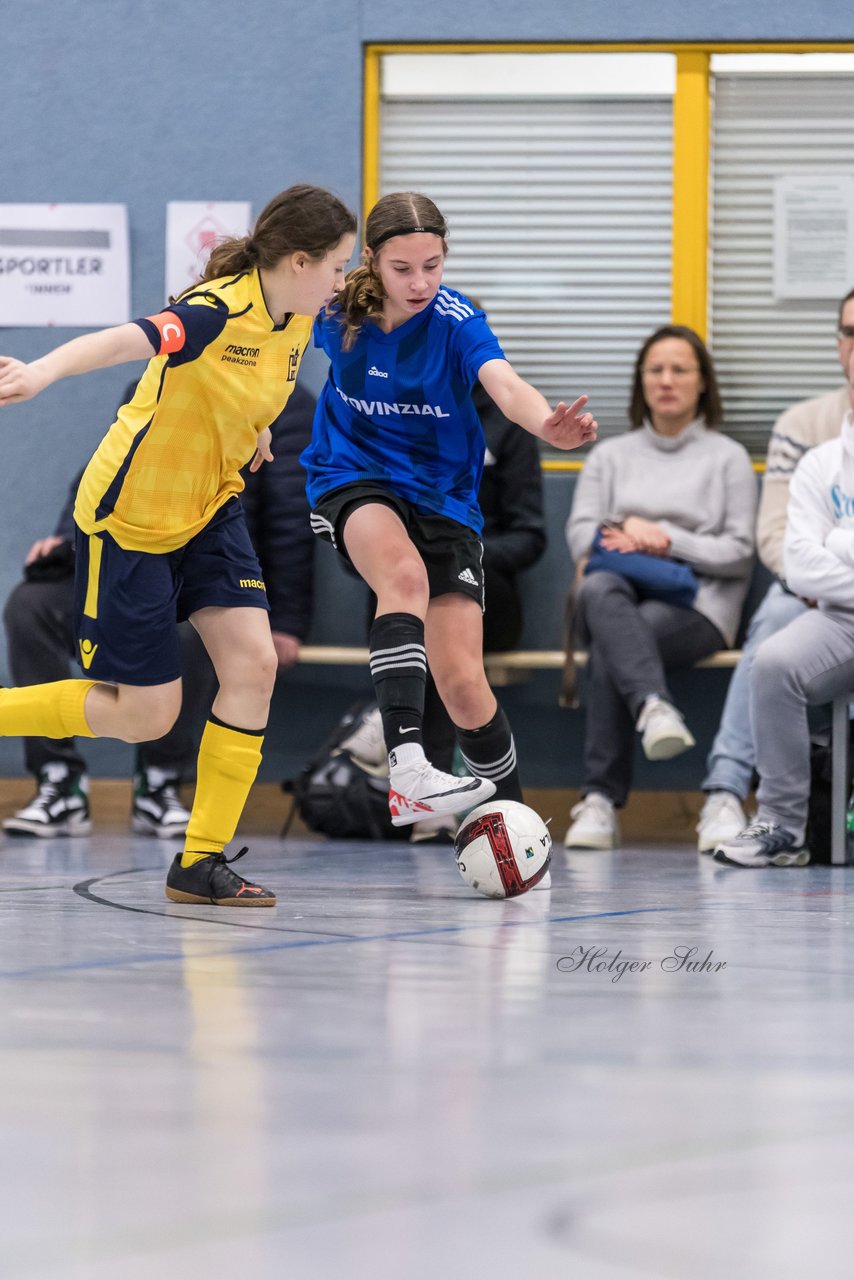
x=127 y=604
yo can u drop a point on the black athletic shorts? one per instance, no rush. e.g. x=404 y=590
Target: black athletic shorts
x=452 y=553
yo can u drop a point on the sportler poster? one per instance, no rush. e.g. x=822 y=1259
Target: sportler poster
x=64 y=264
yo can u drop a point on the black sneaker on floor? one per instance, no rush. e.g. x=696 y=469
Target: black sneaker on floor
x=60 y=807
x=157 y=807
x=212 y=883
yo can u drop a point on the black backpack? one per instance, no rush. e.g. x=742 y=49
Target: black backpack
x=335 y=796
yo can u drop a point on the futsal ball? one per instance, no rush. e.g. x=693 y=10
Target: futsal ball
x=503 y=849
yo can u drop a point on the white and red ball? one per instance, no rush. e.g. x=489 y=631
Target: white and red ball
x=503 y=848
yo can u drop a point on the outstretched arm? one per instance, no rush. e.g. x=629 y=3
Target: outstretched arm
x=21 y=381
x=564 y=427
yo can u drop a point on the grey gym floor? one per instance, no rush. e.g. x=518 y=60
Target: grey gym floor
x=388 y=1076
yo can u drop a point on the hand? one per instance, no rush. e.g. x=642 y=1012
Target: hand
x=646 y=535
x=262 y=453
x=19 y=381
x=287 y=649
x=616 y=540
x=42 y=548
x=567 y=428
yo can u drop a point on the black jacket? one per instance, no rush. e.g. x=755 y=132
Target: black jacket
x=511 y=492
x=277 y=513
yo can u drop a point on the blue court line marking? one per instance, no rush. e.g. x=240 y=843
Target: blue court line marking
x=159 y=957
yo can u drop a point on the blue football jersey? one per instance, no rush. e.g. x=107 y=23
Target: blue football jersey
x=397 y=408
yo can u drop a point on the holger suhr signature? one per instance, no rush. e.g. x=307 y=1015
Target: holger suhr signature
x=682 y=959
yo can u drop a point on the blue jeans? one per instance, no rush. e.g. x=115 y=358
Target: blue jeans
x=733 y=755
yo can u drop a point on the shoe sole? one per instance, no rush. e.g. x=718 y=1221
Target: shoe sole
x=148 y=827
x=668 y=747
x=195 y=899
x=800 y=858
x=703 y=847
x=46 y=833
x=721 y=857
x=592 y=843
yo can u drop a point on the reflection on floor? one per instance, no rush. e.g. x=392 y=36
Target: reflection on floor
x=643 y=1073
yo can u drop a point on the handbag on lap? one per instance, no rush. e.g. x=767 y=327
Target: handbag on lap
x=657 y=577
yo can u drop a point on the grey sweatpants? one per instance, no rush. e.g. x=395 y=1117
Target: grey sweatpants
x=805 y=664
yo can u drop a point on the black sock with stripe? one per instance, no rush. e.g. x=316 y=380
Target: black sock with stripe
x=490 y=752
x=399 y=673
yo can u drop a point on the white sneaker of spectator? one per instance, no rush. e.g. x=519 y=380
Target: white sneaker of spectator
x=595 y=824
x=366 y=744
x=665 y=733
x=722 y=818
x=763 y=844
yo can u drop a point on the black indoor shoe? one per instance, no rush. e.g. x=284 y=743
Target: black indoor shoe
x=212 y=882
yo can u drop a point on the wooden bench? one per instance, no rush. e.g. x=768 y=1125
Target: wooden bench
x=516 y=660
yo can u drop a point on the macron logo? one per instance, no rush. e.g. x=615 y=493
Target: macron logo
x=467 y=576
x=374 y=372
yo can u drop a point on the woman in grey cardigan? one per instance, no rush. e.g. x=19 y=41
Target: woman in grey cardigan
x=674 y=488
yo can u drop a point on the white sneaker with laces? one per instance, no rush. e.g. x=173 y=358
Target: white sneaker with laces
x=157 y=807
x=665 y=733
x=763 y=844
x=722 y=818
x=60 y=807
x=417 y=790
x=595 y=824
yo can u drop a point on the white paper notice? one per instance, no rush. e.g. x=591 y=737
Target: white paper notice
x=64 y=264
x=813 y=235
x=193 y=227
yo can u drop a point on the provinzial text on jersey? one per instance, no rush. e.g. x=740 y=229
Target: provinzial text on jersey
x=380 y=408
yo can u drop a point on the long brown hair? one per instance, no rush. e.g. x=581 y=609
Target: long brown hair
x=709 y=405
x=303 y=219
x=399 y=213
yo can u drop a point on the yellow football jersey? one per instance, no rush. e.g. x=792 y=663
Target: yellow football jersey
x=221 y=373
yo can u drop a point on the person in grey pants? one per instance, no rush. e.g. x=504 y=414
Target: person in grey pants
x=810 y=660
x=732 y=759
x=674 y=488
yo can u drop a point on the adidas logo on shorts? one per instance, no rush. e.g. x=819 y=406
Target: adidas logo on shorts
x=467 y=576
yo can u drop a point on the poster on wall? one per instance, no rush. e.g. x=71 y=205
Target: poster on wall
x=813 y=235
x=193 y=227
x=64 y=264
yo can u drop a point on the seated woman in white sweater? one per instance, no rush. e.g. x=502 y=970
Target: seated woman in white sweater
x=675 y=488
x=811 y=660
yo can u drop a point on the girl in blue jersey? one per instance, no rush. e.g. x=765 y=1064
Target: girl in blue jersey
x=393 y=473
x=161 y=535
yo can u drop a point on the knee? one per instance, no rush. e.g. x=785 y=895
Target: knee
x=252 y=670
x=772 y=663
x=595 y=588
x=147 y=724
x=409 y=584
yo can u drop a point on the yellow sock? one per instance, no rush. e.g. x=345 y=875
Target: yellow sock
x=46 y=710
x=228 y=762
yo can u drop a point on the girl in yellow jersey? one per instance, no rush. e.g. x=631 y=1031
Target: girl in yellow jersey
x=160 y=534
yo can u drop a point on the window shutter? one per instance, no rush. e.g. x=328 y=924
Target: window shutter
x=770 y=353
x=560 y=220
